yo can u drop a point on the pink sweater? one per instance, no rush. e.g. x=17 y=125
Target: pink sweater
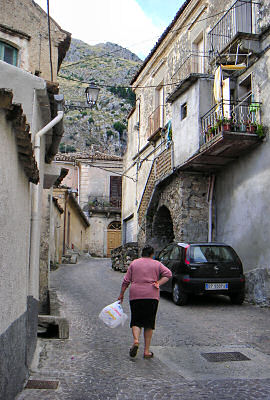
x=142 y=273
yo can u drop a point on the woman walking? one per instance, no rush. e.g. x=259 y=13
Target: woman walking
x=145 y=276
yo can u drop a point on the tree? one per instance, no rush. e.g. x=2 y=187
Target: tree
x=119 y=127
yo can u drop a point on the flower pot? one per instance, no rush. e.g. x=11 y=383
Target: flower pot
x=226 y=127
x=251 y=128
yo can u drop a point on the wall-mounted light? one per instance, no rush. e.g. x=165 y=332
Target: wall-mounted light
x=92 y=92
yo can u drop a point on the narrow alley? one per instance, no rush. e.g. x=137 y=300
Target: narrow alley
x=95 y=364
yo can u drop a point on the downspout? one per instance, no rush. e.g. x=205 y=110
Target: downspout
x=210 y=204
x=78 y=167
x=35 y=218
x=64 y=233
x=50 y=235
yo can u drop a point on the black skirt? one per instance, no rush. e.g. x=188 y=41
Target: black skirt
x=143 y=313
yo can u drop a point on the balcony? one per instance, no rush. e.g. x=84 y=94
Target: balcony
x=193 y=64
x=240 y=20
x=155 y=122
x=229 y=129
x=103 y=204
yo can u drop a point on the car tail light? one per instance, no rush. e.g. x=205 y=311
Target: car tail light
x=187 y=258
x=242 y=279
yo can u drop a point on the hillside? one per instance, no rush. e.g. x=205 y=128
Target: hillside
x=104 y=127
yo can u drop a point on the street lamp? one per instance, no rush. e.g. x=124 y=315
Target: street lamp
x=92 y=92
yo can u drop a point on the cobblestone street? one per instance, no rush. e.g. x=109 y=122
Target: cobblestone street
x=94 y=363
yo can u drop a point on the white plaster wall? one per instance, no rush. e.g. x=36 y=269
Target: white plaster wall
x=15 y=229
x=97 y=234
x=95 y=178
x=24 y=85
x=186 y=132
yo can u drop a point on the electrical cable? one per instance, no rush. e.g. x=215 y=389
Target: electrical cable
x=171 y=31
x=117 y=173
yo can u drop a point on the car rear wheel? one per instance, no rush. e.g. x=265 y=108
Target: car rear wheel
x=179 y=297
x=238 y=298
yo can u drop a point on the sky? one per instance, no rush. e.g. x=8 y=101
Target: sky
x=134 y=24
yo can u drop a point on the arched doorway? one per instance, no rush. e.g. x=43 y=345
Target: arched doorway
x=162 y=228
x=114 y=236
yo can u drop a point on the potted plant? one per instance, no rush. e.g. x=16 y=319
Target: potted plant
x=226 y=123
x=259 y=130
x=251 y=127
x=208 y=133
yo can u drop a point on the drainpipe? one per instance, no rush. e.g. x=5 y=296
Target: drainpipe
x=210 y=203
x=35 y=215
x=78 y=167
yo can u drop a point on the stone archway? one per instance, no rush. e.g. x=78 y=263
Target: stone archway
x=162 y=228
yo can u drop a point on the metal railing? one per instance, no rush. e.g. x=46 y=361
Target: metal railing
x=156 y=120
x=241 y=17
x=238 y=116
x=103 y=202
x=193 y=64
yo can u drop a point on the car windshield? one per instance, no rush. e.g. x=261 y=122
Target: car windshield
x=205 y=254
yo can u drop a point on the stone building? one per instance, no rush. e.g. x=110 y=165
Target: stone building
x=196 y=136
x=24 y=38
x=28 y=104
x=97 y=181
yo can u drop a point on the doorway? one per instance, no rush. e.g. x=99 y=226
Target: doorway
x=114 y=236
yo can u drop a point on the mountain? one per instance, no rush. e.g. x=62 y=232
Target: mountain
x=104 y=127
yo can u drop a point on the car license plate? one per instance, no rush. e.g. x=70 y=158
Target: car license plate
x=216 y=286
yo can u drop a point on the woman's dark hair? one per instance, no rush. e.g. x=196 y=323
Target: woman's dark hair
x=147 y=251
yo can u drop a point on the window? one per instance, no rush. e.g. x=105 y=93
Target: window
x=164 y=254
x=204 y=254
x=8 y=53
x=176 y=253
x=183 y=111
x=116 y=190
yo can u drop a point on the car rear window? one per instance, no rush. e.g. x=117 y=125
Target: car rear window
x=204 y=254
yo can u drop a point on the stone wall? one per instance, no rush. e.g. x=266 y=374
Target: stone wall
x=177 y=211
x=258 y=286
x=123 y=256
x=27 y=17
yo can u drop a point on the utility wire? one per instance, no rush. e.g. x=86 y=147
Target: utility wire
x=89 y=58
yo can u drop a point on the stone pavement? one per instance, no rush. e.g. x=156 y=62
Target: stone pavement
x=94 y=362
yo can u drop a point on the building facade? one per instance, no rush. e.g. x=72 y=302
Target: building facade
x=197 y=138
x=28 y=104
x=96 y=179
x=24 y=39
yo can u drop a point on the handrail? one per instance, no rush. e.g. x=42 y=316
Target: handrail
x=233 y=22
x=224 y=15
x=234 y=6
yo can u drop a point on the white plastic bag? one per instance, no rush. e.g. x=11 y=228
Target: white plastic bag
x=113 y=315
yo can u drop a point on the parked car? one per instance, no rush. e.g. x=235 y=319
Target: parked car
x=200 y=268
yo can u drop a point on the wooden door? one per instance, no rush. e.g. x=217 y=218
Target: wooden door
x=114 y=236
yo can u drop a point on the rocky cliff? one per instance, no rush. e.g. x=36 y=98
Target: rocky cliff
x=102 y=128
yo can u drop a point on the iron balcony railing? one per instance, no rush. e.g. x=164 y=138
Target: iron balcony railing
x=103 y=202
x=236 y=117
x=156 y=120
x=241 y=17
x=193 y=64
